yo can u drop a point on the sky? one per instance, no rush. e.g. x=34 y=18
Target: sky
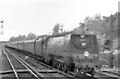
x=40 y=16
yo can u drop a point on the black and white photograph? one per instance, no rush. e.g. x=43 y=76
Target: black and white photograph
x=66 y=39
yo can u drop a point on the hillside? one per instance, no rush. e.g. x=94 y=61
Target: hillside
x=106 y=27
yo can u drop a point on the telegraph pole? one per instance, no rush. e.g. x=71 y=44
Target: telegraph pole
x=1 y=27
x=61 y=28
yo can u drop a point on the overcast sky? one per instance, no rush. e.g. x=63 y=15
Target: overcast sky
x=40 y=16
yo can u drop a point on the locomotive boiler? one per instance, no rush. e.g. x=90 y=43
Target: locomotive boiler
x=75 y=51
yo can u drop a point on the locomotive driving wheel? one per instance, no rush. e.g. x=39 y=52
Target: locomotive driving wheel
x=78 y=72
x=59 y=66
x=92 y=72
x=64 y=68
x=54 y=64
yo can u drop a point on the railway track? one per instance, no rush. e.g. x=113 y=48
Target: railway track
x=19 y=66
x=109 y=75
x=42 y=69
x=47 y=68
x=115 y=72
x=48 y=71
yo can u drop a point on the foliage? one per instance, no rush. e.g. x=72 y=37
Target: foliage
x=23 y=37
x=104 y=27
x=94 y=24
x=56 y=29
x=12 y=39
x=31 y=36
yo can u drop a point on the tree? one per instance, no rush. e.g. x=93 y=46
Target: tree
x=94 y=24
x=21 y=38
x=82 y=25
x=31 y=36
x=107 y=26
x=12 y=39
x=56 y=29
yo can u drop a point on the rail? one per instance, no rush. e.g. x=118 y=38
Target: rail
x=34 y=72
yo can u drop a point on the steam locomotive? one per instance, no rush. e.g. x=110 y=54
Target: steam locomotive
x=75 y=51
